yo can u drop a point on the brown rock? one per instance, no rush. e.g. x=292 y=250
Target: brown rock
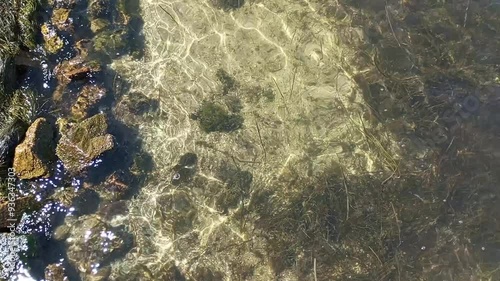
x=55 y=272
x=53 y=43
x=82 y=143
x=61 y=20
x=89 y=97
x=34 y=155
x=75 y=69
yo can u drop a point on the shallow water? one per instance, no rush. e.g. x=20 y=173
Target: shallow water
x=368 y=148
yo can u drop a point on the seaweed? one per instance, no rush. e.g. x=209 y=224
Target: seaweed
x=214 y=118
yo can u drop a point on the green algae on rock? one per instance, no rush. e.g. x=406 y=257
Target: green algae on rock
x=61 y=20
x=97 y=25
x=83 y=142
x=34 y=155
x=110 y=43
x=53 y=43
x=214 y=118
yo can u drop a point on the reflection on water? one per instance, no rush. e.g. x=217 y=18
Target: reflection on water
x=284 y=140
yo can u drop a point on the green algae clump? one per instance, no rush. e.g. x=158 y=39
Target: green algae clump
x=83 y=142
x=214 y=118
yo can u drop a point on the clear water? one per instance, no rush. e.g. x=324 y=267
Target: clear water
x=368 y=148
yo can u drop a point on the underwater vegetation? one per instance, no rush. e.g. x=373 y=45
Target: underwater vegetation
x=17 y=28
x=214 y=118
x=227 y=5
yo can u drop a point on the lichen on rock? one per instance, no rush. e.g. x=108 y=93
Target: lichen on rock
x=84 y=142
x=34 y=155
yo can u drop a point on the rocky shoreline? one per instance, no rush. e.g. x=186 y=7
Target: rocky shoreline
x=57 y=123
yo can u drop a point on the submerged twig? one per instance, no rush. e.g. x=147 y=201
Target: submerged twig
x=172 y=17
x=261 y=141
x=282 y=96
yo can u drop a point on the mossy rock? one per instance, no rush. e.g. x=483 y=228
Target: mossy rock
x=214 y=118
x=84 y=142
x=60 y=18
x=98 y=8
x=111 y=43
x=34 y=155
x=53 y=43
x=97 y=25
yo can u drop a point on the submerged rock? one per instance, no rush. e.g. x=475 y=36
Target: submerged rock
x=53 y=43
x=61 y=19
x=83 y=142
x=33 y=157
x=55 y=272
x=92 y=244
x=75 y=69
x=111 y=43
x=97 y=25
x=98 y=8
x=87 y=100
x=67 y=4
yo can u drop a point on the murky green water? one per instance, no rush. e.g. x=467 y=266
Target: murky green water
x=269 y=140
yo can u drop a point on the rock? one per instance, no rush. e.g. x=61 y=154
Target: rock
x=98 y=8
x=227 y=5
x=135 y=104
x=87 y=100
x=66 y=4
x=34 y=155
x=92 y=243
x=55 y=272
x=111 y=43
x=83 y=142
x=97 y=25
x=82 y=47
x=61 y=19
x=75 y=69
x=114 y=187
x=53 y=43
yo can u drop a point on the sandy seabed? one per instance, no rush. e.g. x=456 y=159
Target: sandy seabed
x=288 y=48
